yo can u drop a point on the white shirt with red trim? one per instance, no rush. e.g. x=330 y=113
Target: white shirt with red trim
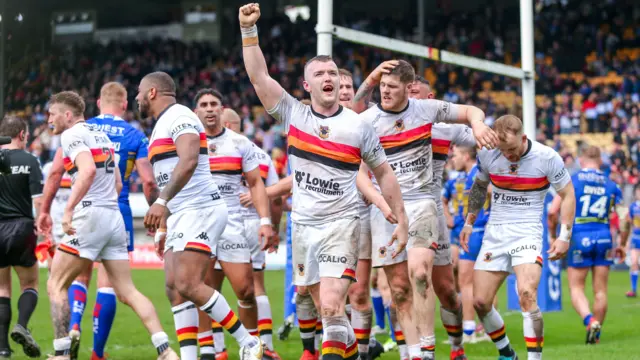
x=269 y=176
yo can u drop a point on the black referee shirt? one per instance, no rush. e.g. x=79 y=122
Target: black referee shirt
x=18 y=188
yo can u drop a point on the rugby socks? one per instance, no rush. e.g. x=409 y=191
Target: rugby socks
x=5 y=321
x=161 y=341
x=392 y=333
x=533 y=328
x=205 y=341
x=307 y=319
x=62 y=346
x=361 y=322
x=26 y=306
x=452 y=321
x=185 y=317
x=318 y=337
x=336 y=334
x=427 y=347
x=265 y=323
x=494 y=326
x=587 y=320
x=469 y=327
x=378 y=307
x=77 y=302
x=104 y=313
x=218 y=337
x=634 y=281
x=219 y=310
x=351 y=352
x=398 y=335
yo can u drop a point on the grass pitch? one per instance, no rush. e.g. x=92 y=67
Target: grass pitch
x=564 y=332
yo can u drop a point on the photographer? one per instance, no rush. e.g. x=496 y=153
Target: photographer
x=20 y=189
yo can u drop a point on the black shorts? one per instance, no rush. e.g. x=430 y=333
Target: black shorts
x=17 y=243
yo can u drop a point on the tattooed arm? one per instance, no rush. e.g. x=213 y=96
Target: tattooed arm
x=477 y=198
x=363 y=96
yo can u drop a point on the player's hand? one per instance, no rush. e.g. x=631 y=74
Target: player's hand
x=619 y=253
x=44 y=224
x=266 y=237
x=155 y=216
x=246 y=200
x=159 y=240
x=66 y=222
x=485 y=136
x=382 y=69
x=389 y=215
x=249 y=15
x=450 y=222
x=276 y=243
x=401 y=237
x=558 y=250
x=465 y=235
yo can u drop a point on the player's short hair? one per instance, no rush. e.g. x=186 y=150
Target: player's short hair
x=113 y=93
x=11 y=126
x=70 y=99
x=590 y=152
x=319 y=58
x=471 y=150
x=508 y=124
x=345 y=72
x=163 y=83
x=422 y=80
x=206 y=91
x=404 y=71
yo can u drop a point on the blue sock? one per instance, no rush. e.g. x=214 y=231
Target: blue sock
x=77 y=302
x=634 y=281
x=387 y=309
x=378 y=307
x=587 y=320
x=103 y=315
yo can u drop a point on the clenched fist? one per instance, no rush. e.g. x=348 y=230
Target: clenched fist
x=249 y=15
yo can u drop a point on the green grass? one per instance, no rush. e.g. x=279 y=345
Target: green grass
x=564 y=333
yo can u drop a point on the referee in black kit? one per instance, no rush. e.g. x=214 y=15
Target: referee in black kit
x=20 y=188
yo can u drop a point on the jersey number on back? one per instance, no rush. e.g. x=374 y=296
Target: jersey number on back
x=597 y=208
x=108 y=164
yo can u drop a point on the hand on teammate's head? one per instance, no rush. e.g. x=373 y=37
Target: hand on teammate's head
x=384 y=68
x=249 y=14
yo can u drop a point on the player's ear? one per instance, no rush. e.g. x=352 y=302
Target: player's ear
x=98 y=103
x=306 y=86
x=124 y=105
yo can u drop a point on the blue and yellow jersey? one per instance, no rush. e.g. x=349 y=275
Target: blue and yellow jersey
x=596 y=195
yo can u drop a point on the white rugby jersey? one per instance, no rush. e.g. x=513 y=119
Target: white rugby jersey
x=519 y=189
x=230 y=155
x=445 y=135
x=83 y=137
x=406 y=139
x=325 y=154
x=200 y=190
x=62 y=196
x=269 y=175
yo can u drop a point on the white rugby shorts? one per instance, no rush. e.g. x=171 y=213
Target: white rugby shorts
x=196 y=229
x=507 y=245
x=364 y=242
x=234 y=246
x=251 y=232
x=443 y=253
x=327 y=250
x=100 y=235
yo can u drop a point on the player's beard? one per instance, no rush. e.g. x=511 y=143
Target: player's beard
x=144 y=106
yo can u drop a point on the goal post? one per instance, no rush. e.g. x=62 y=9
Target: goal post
x=325 y=30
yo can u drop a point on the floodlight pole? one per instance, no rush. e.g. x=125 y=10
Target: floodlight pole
x=324 y=28
x=527 y=60
x=421 y=34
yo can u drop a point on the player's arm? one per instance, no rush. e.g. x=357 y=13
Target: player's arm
x=553 y=216
x=363 y=95
x=188 y=149
x=258 y=192
x=559 y=177
x=446 y=197
x=35 y=184
x=567 y=211
x=118 y=180
x=281 y=188
x=625 y=230
x=86 y=173
x=149 y=187
x=52 y=184
x=472 y=116
x=268 y=90
x=365 y=186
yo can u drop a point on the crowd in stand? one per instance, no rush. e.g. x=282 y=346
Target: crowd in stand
x=571 y=37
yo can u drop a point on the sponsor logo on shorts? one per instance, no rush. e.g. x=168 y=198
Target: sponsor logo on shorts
x=504 y=199
x=231 y=246
x=399 y=125
x=403 y=167
x=324 y=132
x=226 y=189
x=382 y=252
x=317 y=184
x=513 y=169
x=517 y=249
x=86 y=203
x=443 y=247
x=577 y=256
x=487 y=257
x=162 y=179
x=74 y=242
x=203 y=236
x=608 y=255
x=215 y=196
x=332 y=259
x=301 y=269
x=174 y=236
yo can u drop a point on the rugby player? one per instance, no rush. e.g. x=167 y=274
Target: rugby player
x=56 y=209
x=130 y=152
x=404 y=126
x=195 y=215
x=633 y=224
x=93 y=204
x=452 y=200
x=521 y=172
x=592 y=245
x=326 y=146
x=233 y=159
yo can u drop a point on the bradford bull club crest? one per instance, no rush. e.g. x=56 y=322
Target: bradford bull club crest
x=324 y=132
x=212 y=149
x=382 y=252
x=399 y=125
x=301 y=269
x=487 y=257
x=513 y=169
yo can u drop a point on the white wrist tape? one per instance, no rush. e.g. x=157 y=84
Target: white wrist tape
x=159 y=234
x=161 y=202
x=564 y=233
x=265 y=221
x=249 y=32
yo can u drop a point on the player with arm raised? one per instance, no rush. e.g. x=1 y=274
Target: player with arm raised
x=326 y=146
x=93 y=204
x=190 y=214
x=404 y=126
x=521 y=172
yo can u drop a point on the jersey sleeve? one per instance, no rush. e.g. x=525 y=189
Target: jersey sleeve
x=557 y=174
x=464 y=136
x=73 y=144
x=184 y=124
x=447 y=189
x=617 y=195
x=272 y=175
x=371 y=150
x=438 y=110
x=286 y=109
x=142 y=150
x=250 y=158
x=35 y=178
x=483 y=172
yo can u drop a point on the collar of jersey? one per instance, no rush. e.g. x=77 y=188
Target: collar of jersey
x=115 y=118
x=394 y=112
x=529 y=145
x=164 y=111
x=224 y=130
x=594 y=170
x=324 y=116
